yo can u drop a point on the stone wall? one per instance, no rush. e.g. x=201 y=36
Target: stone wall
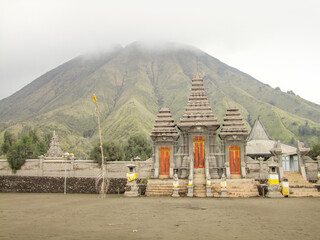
x=311 y=167
x=75 y=168
x=256 y=169
x=33 y=184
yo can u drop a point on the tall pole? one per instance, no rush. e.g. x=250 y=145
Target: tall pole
x=103 y=167
x=65 y=176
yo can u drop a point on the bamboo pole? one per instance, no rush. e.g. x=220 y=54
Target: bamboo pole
x=103 y=167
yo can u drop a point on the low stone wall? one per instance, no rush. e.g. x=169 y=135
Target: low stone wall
x=32 y=184
x=74 y=168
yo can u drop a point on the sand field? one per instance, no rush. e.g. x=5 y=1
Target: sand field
x=86 y=216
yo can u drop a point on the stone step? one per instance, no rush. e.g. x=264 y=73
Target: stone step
x=295 y=178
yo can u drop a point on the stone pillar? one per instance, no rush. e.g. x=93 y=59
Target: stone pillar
x=41 y=165
x=260 y=159
x=302 y=151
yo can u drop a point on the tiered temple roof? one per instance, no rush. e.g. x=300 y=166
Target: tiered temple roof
x=164 y=126
x=54 y=150
x=198 y=111
x=233 y=124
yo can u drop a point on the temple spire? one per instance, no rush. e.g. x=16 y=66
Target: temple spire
x=198 y=111
x=197 y=76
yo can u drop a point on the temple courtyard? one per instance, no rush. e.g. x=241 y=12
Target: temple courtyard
x=86 y=216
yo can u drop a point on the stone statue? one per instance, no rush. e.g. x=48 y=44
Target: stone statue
x=175 y=180
x=208 y=180
x=223 y=185
x=175 y=185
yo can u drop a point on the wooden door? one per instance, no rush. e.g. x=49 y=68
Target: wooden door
x=234 y=159
x=198 y=151
x=164 y=160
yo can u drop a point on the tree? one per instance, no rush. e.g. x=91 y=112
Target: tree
x=112 y=152
x=138 y=146
x=315 y=150
x=29 y=145
x=20 y=151
x=8 y=141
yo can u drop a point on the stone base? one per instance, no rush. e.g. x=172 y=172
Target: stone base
x=131 y=194
x=223 y=193
x=274 y=191
x=133 y=189
x=175 y=192
x=190 y=191
x=208 y=191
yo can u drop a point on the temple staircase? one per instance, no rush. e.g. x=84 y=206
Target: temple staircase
x=237 y=188
x=199 y=182
x=164 y=187
x=299 y=187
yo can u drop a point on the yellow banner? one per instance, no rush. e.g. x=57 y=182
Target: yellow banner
x=273 y=181
x=131 y=176
x=95 y=98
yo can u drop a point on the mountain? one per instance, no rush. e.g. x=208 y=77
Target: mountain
x=133 y=82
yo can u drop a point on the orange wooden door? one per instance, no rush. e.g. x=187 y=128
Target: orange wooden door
x=198 y=151
x=164 y=160
x=234 y=158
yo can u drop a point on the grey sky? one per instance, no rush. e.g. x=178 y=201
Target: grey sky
x=276 y=42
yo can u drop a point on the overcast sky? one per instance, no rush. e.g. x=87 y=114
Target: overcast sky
x=276 y=42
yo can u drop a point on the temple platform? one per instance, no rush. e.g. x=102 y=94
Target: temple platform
x=236 y=188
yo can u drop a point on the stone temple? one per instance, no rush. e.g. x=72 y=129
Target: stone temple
x=200 y=164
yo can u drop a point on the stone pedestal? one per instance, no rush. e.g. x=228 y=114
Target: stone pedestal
x=132 y=189
x=274 y=191
x=223 y=193
x=190 y=191
x=175 y=192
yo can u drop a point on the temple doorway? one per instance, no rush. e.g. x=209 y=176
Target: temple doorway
x=234 y=159
x=164 y=160
x=290 y=163
x=198 y=150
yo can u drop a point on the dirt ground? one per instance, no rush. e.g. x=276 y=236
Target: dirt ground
x=81 y=216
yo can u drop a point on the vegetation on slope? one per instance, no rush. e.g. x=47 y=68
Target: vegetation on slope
x=133 y=83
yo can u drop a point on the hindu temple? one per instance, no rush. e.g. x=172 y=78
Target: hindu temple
x=240 y=164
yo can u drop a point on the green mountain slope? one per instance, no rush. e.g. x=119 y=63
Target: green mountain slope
x=132 y=83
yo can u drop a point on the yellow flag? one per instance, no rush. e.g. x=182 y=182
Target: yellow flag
x=94 y=98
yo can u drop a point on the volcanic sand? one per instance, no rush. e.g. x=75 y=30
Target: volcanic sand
x=81 y=216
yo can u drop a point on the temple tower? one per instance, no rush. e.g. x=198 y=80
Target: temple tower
x=164 y=136
x=234 y=137
x=54 y=150
x=198 y=128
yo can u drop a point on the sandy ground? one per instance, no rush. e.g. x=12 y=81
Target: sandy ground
x=76 y=216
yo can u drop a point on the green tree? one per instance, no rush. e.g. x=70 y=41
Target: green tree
x=138 y=146
x=8 y=141
x=20 y=151
x=112 y=152
x=29 y=145
x=315 y=150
